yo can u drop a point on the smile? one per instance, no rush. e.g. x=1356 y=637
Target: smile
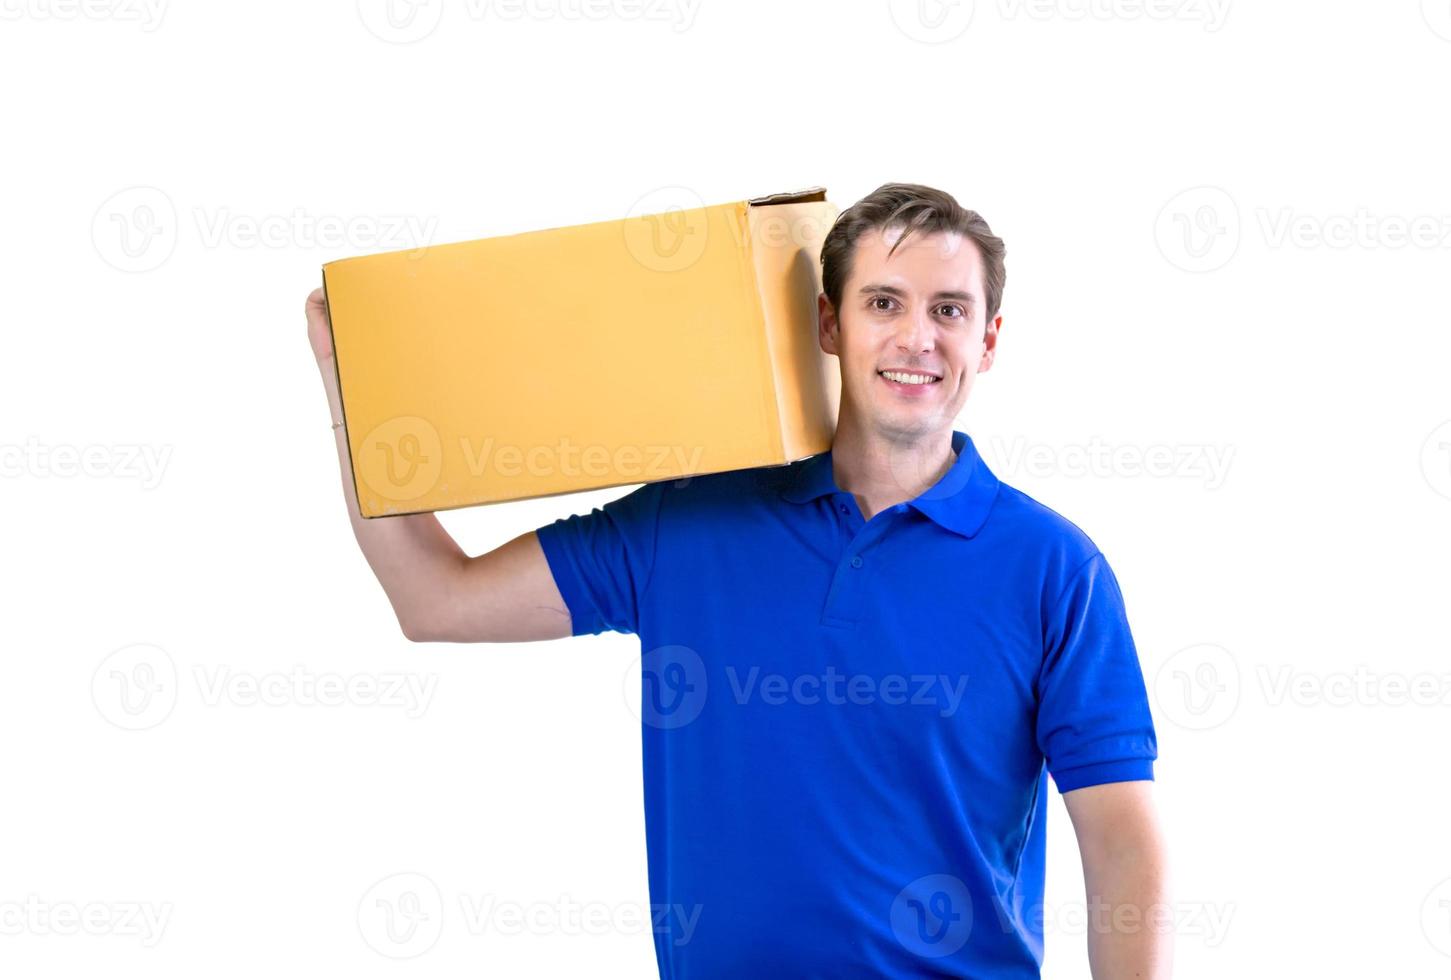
x=906 y=378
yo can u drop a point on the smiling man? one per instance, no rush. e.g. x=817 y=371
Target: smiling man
x=859 y=671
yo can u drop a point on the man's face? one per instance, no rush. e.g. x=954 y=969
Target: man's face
x=919 y=312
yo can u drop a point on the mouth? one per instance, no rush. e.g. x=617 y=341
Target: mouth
x=914 y=380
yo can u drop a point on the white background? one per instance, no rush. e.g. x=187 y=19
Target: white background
x=1206 y=208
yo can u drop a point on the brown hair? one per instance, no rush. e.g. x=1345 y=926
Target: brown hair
x=915 y=208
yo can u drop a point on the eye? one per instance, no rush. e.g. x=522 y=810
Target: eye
x=881 y=299
x=951 y=306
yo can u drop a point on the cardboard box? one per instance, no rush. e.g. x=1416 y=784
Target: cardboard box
x=653 y=347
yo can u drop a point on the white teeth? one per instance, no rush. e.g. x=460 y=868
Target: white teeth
x=908 y=379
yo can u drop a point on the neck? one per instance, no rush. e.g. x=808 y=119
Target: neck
x=881 y=470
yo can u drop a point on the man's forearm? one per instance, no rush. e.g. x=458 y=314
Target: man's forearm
x=413 y=557
x=1130 y=919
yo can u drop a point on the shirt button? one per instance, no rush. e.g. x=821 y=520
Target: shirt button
x=843 y=508
x=856 y=561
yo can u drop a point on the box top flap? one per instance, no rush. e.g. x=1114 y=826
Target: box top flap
x=790 y=197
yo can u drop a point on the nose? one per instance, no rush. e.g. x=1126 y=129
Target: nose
x=916 y=333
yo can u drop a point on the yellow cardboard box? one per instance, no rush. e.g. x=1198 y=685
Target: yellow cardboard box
x=653 y=347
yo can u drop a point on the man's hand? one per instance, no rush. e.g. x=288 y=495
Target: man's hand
x=1125 y=878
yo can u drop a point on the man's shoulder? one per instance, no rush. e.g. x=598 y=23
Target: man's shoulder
x=730 y=487
x=703 y=500
x=1029 y=523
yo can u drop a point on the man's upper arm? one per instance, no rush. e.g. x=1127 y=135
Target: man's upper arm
x=581 y=574
x=1094 y=725
x=503 y=596
x=1110 y=815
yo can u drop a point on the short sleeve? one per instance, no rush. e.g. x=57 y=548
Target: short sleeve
x=1094 y=724
x=602 y=561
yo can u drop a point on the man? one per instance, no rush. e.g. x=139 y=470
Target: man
x=858 y=670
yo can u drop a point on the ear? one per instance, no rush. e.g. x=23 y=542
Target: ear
x=990 y=343
x=827 y=325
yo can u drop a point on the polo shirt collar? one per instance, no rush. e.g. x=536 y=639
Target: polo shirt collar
x=959 y=501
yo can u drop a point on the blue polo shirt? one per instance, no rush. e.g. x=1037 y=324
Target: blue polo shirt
x=848 y=725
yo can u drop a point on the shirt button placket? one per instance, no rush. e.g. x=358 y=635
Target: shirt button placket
x=848 y=585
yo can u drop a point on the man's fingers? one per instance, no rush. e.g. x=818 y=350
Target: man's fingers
x=320 y=336
x=318 y=332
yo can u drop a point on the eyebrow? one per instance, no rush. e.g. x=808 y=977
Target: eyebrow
x=880 y=287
